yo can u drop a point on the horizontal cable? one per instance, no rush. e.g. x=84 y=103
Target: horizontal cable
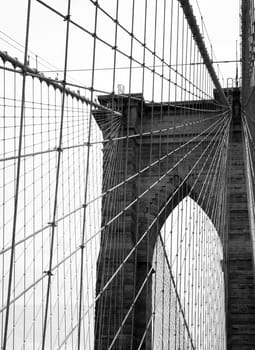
x=146 y=133
x=159 y=131
x=114 y=187
x=153 y=222
x=55 y=149
x=123 y=53
x=136 y=67
x=132 y=177
x=202 y=49
x=124 y=261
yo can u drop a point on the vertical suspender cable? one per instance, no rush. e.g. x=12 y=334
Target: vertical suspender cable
x=55 y=205
x=15 y=214
x=86 y=180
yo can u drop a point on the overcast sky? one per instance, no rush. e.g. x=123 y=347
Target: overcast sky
x=222 y=21
x=46 y=40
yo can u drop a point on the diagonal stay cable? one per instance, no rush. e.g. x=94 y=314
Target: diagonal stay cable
x=144 y=234
x=219 y=148
x=93 y=35
x=77 y=249
x=132 y=177
x=146 y=133
x=156 y=182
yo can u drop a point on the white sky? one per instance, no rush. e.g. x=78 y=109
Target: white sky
x=221 y=18
x=47 y=39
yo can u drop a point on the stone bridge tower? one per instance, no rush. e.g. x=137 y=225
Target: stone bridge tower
x=148 y=213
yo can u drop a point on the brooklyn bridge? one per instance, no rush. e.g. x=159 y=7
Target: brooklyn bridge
x=127 y=178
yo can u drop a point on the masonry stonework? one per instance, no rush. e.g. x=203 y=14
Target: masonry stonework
x=151 y=211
